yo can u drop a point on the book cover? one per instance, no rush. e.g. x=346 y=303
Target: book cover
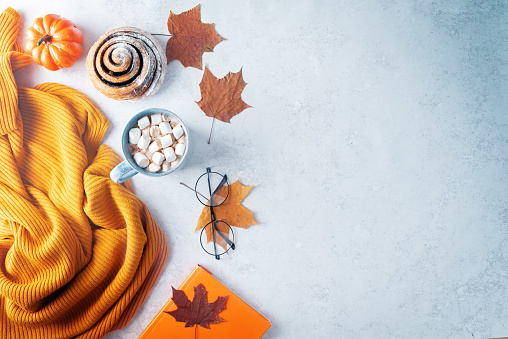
x=241 y=320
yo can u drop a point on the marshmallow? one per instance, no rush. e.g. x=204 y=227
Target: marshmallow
x=166 y=166
x=158 y=158
x=144 y=141
x=143 y=122
x=134 y=134
x=169 y=153
x=141 y=160
x=154 y=168
x=177 y=131
x=158 y=143
x=166 y=141
x=165 y=128
x=155 y=146
x=156 y=119
x=155 y=131
x=180 y=149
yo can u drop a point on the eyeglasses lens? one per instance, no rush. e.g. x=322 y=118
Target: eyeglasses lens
x=212 y=185
x=224 y=238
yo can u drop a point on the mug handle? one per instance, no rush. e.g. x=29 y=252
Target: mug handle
x=122 y=172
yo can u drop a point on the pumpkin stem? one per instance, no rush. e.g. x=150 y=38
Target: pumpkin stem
x=46 y=38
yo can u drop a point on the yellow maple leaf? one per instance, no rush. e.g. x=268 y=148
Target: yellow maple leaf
x=231 y=211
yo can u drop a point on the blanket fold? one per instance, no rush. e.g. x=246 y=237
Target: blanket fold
x=78 y=253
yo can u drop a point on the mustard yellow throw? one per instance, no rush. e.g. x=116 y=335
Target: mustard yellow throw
x=78 y=253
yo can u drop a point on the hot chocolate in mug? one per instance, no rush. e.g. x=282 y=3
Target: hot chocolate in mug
x=129 y=168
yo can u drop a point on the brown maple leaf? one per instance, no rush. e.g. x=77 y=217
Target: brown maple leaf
x=231 y=211
x=198 y=311
x=190 y=38
x=222 y=98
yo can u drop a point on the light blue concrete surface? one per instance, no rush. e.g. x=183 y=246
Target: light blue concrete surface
x=378 y=147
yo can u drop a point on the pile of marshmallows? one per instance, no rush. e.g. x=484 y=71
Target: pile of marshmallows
x=158 y=143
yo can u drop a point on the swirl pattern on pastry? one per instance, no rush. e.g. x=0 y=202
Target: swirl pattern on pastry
x=126 y=64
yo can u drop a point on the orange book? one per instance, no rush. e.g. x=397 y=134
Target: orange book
x=241 y=320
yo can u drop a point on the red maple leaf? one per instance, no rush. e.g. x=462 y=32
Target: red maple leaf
x=198 y=311
x=190 y=38
x=222 y=98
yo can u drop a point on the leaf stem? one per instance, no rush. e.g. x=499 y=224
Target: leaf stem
x=46 y=38
x=211 y=129
x=160 y=34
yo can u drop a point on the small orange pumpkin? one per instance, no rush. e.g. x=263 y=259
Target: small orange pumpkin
x=54 y=42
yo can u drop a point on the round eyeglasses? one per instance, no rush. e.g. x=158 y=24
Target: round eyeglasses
x=212 y=190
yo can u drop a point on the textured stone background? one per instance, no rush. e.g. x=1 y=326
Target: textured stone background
x=377 y=144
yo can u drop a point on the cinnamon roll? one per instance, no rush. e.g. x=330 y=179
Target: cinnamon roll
x=127 y=63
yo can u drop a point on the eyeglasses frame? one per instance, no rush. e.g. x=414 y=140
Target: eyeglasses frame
x=212 y=214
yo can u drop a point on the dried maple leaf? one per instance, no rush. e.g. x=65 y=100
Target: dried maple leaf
x=198 y=311
x=231 y=211
x=222 y=98
x=190 y=38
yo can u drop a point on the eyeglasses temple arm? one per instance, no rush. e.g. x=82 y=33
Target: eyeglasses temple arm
x=226 y=239
x=222 y=182
x=211 y=213
x=192 y=189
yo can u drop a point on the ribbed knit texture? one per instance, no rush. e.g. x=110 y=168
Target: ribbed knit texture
x=78 y=253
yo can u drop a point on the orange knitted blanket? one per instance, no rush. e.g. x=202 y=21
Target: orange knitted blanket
x=78 y=253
